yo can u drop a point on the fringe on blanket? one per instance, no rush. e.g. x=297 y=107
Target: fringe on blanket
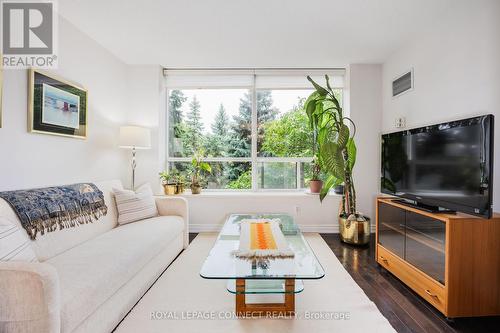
x=48 y=209
x=64 y=219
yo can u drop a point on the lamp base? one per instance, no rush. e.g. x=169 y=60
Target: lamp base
x=134 y=165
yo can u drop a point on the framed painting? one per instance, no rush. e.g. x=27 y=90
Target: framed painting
x=56 y=106
x=1 y=90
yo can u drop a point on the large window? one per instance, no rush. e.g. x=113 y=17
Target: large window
x=254 y=136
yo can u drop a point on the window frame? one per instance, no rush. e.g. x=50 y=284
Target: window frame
x=254 y=159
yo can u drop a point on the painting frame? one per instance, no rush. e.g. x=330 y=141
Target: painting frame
x=1 y=91
x=38 y=109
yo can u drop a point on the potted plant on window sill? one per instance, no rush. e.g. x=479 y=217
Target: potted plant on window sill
x=173 y=182
x=198 y=167
x=315 y=184
x=169 y=186
x=179 y=181
x=337 y=156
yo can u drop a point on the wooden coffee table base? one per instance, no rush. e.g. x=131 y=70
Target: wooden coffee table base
x=264 y=309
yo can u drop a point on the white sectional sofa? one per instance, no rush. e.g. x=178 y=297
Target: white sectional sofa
x=90 y=276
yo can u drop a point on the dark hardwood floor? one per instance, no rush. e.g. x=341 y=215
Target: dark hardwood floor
x=405 y=310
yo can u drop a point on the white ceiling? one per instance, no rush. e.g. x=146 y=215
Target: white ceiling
x=252 y=33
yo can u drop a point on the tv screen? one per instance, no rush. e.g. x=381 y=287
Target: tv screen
x=448 y=165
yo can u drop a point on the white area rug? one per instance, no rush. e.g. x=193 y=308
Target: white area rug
x=182 y=301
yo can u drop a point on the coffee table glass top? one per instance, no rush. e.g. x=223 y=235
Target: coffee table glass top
x=222 y=264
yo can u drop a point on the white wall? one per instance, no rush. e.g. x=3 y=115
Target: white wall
x=208 y=211
x=145 y=98
x=29 y=160
x=457 y=72
x=365 y=98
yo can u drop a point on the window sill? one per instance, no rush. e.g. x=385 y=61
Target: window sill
x=242 y=194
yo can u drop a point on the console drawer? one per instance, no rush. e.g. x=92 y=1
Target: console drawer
x=429 y=289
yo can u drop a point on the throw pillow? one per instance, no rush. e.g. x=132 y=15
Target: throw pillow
x=14 y=243
x=135 y=206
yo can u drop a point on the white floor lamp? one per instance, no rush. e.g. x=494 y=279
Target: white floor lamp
x=135 y=137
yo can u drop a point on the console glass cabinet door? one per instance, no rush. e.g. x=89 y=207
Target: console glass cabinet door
x=415 y=238
x=391 y=229
x=425 y=244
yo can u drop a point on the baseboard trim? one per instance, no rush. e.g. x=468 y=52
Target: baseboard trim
x=205 y=227
x=324 y=229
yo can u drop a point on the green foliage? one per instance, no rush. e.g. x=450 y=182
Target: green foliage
x=241 y=128
x=331 y=181
x=244 y=181
x=198 y=167
x=332 y=160
x=288 y=136
x=285 y=136
x=165 y=177
x=176 y=100
x=174 y=177
x=217 y=143
x=351 y=151
x=316 y=169
x=220 y=127
x=194 y=128
x=337 y=150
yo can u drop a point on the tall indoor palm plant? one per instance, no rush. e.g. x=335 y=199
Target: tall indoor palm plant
x=337 y=154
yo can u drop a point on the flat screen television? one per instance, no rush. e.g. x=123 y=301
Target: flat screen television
x=447 y=166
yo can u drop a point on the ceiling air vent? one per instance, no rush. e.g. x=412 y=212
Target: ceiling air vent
x=402 y=84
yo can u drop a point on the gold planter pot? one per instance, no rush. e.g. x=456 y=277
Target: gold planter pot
x=169 y=189
x=179 y=188
x=354 y=229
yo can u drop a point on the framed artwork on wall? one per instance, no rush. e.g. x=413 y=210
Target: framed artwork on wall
x=56 y=106
x=1 y=90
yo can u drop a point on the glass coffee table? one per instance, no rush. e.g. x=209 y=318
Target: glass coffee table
x=262 y=276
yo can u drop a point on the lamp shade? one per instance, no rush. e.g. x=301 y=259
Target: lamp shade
x=135 y=137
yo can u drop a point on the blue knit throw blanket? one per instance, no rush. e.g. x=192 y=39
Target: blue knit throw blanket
x=44 y=209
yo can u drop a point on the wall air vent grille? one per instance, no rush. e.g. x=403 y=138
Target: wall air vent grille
x=402 y=84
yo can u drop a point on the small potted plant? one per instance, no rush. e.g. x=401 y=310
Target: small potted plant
x=315 y=184
x=198 y=167
x=178 y=180
x=169 y=186
x=181 y=181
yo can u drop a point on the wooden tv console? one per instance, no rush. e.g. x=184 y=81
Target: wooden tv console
x=451 y=260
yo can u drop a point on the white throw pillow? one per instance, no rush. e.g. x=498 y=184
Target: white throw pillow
x=14 y=245
x=134 y=206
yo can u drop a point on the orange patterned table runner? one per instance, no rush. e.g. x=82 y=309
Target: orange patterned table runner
x=261 y=236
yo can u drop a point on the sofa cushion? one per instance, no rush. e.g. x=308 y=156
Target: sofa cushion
x=92 y=272
x=14 y=243
x=53 y=243
x=135 y=206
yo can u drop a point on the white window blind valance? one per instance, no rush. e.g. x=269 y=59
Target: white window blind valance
x=260 y=78
x=187 y=78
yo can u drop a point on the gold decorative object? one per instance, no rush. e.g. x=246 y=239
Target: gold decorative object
x=179 y=188
x=355 y=229
x=169 y=189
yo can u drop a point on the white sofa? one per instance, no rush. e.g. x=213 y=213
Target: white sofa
x=90 y=276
